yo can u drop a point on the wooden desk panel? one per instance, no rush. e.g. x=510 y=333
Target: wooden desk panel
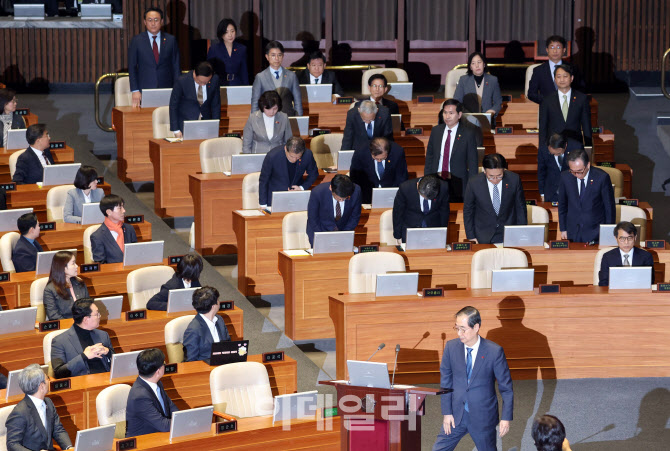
x=60 y=156
x=133 y=131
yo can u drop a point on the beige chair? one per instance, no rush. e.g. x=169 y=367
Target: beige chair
x=616 y=176
x=7 y=243
x=191 y=236
x=451 y=81
x=4 y=414
x=596 y=263
x=110 y=404
x=294 y=231
x=537 y=215
x=12 y=161
x=143 y=283
x=250 y=191
x=637 y=216
x=174 y=338
x=46 y=348
x=56 y=201
x=529 y=75
x=215 y=154
x=241 y=389
x=485 y=260
x=160 y=121
x=363 y=270
x=386 y=228
x=391 y=73
x=325 y=148
x=88 y=249
x=37 y=297
x=122 y=94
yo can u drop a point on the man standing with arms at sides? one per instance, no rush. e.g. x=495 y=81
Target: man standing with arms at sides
x=278 y=78
x=471 y=365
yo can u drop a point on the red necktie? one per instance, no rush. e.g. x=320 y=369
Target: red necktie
x=445 y=160
x=155 y=48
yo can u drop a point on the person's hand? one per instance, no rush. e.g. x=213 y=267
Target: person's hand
x=179 y=135
x=566 y=445
x=295 y=188
x=564 y=235
x=91 y=352
x=504 y=427
x=102 y=349
x=137 y=99
x=490 y=111
x=474 y=241
x=334 y=98
x=448 y=423
x=542 y=196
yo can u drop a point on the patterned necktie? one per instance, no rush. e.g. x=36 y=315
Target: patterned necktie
x=496 y=199
x=369 y=129
x=582 y=188
x=316 y=81
x=626 y=262
x=380 y=170
x=426 y=210
x=277 y=74
x=201 y=97
x=338 y=211
x=160 y=399
x=154 y=46
x=560 y=161
x=445 y=159
x=564 y=108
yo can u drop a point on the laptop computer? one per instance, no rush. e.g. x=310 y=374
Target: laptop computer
x=59 y=174
x=246 y=163
x=630 y=278
x=606 y=236
x=333 y=242
x=18 y=320
x=299 y=125
x=8 y=218
x=203 y=129
x=192 y=421
x=397 y=284
x=91 y=214
x=288 y=201
x=110 y=307
x=146 y=253
x=523 y=235
x=97 y=12
x=368 y=374
x=426 y=238
x=16 y=139
x=320 y=93
x=295 y=406
x=180 y=300
x=236 y=95
x=30 y=11
x=344 y=159
x=152 y=98
x=383 y=197
x=396 y=123
x=481 y=120
x=124 y=365
x=44 y=259
x=512 y=279
x=401 y=90
x=100 y=438
x=225 y=352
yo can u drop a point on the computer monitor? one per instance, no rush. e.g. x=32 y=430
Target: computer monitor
x=333 y=242
x=397 y=284
x=124 y=365
x=44 y=259
x=97 y=12
x=16 y=139
x=401 y=90
x=191 y=421
x=147 y=253
x=295 y=406
x=523 y=235
x=59 y=174
x=383 y=197
x=8 y=218
x=299 y=125
x=153 y=98
x=180 y=300
x=246 y=163
x=396 y=123
x=202 y=129
x=288 y=201
x=426 y=238
x=368 y=374
x=31 y=11
x=236 y=95
x=512 y=279
x=481 y=120
x=100 y=438
x=630 y=278
x=18 y=320
x=319 y=93
x=91 y=214
x=110 y=307
x=344 y=159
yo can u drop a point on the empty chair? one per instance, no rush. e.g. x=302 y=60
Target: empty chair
x=250 y=191
x=241 y=389
x=160 y=121
x=12 y=161
x=363 y=269
x=636 y=215
x=88 y=249
x=4 y=414
x=7 y=243
x=529 y=75
x=56 y=201
x=537 y=215
x=616 y=176
x=391 y=73
x=294 y=231
x=191 y=236
x=174 y=338
x=37 y=297
x=596 y=264
x=122 y=94
x=386 y=229
x=215 y=154
x=110 y=404
x=143 y=283
x=451 y=82
x=325 y=148
x=46 y=349
x=485 y=260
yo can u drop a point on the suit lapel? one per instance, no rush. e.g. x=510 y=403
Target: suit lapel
x=378 y=121
x=162 y=48
x=37 y=419
x=484 y=192
x=261 y=125
x=478 y=362
x=74 y=341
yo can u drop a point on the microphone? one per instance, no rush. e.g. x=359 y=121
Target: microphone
x=609 y=427
x=397 y=350
x=379 y=348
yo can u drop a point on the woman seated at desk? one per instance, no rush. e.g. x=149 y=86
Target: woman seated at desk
x=266 y=128
x=64 y=286
x=187 y=275
x=9 y=118
x=206 y=328
x=85 y=191
x=479 y=92
x=228 y=57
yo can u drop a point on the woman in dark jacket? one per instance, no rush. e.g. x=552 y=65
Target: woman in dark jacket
x=9 y=118
x=187 y=275
x=64 y=286
x=228 y=57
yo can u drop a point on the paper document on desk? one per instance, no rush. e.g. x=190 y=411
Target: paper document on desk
x=367 y=206
x=249 y=213
x=296 y=253
x=174 y=140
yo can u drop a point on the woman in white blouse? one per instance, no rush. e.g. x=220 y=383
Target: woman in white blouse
x=86 y=191
x=268 y=127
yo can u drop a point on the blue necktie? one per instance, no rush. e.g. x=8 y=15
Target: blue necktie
x=369 y=128
x=583 y=188
x=468 y=371
x=160 y=399
x=380 y=170
x=426 y=210
x=277 y=74
x=316 y=81
x=496 y=199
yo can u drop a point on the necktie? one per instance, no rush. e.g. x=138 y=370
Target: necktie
x=369 y=129
x=43 y=415
x=496 y=199
x=468 y=371
x=201 y=98
x=426 y=210
x=338 y=211
x=277 y=74
x=445 y=159
x=626 y=262
x=154 y=46
x=160 y=399
x=316 y=81
x=564 y=108
x=380 y=170
x=582 y=188
x=560 y=161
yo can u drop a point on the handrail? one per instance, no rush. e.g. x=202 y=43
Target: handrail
x=510 y=65
x=114 y=75
x=665 y=57
x=349 y=67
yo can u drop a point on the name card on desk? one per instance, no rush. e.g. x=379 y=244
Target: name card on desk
x=663 y=287
x=57 y=145
x=344 y=101
x=126 y=444
x=135 y=219
x=597 y=129
x=504 y=130
x=425 y=99
x=418 y=131
x=654 y=244
x=531 y=202
x=8 y=186
x=226 y=425
x=277 y=356
x=47 y=226
x=464 y=246
x=47 y=326
x=4 y=277
x=550 y=288
x=433 y=292
x=89 y=267
x=232 y=135
x=607 y=164
x=368 y=248
x=226 y=305
x=61 y=384
x=135 y=315
x=170 y=368
x=23 y=111
x=174 y=259
x=319 y=132
x=629 y=202
x=559 y=244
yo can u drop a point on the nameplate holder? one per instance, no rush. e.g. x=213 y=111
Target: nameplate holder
x=550 y=288
x=344 y=101
x=663 y=287
x=135 y=219
x=629 y=202
x=4 y=277
x=226 y=305
x=277 y=356
x=135 y=315
x=8 y=186
x=57 y=145
x=559 y=244
x=437 y=292
x=597 y=129
x=47 y=326
x=60 y=384
x=225 y=424
x=649 y=244
x=506 y=98
x=175 y=259
x=101 y=180
x=329 y=412
x=531 y=202
x=232 y=135
x=171 y=368
x=126 y=444
x=44 y=226
x=554 y=204
x=368 y=248
x=319 y=131
x=504 y=130
x=607 y=164
x=425 y=99
x=89 y=267
x=417 y=131
x=464 y=246
x=23 y=111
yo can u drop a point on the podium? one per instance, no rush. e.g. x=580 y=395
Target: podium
x=381 y=418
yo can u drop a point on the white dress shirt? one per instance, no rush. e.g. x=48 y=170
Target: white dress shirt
x=579 y=182
x=451 y=146
x=41 y=407
x=334 y=208
x=87 y=197
x=40 y=156
x=211 y=325
x=187 y=283
x=383 y=162
x=269 y=125
x=630 y=256
x=475 y=348
x=312 y=78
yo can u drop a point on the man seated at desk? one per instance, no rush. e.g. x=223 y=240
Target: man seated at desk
x=30 y=164
x=383 y=165
x=107 y=243
x=206 y=328
x=365 y=121
x=550 y=164
x=283 y=169
x=627 y=254
x=420 y=202
x=316 y=74
x=334 y=206
x=195 y=96
x=24 y=254
x=83 y=348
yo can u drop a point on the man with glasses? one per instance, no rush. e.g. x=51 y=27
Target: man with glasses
x=493 y=199
x=83 y=348
x=30 y=164
x=585 y=200
x=627 y=254
x=471 y=366
x=542 y=81
x=278 y=78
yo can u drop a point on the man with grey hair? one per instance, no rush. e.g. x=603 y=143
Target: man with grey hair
x=366 y=121
x=34 y=422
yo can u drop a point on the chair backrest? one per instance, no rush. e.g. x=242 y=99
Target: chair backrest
x=538 y=215
x=174 y=338
x=12 y=161
x=191 y=236
x=325 y=148
x=7 y=243
x=4 y=414
x=122 y=94
x=294 y=231
x=160 y=121
x=363 y=269
x=250 y=191
x=391 y=73
x=88 y=249
x=485 y=260
x=56 y=201
x=37 y=297
x=215 y=154
x=616 y=176
x=143 y=283
x=451 y=81
x=636 y=215
x=46 y=348
x=596 y=263
x=386 y=228
x=241 y=389
x=110 y=404
x=529 y=75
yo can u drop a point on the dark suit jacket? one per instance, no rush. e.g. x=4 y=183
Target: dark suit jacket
x=466 y=93
x=328 y=77
x=144 y=414
x=184 y=104
x=355 y=133
x=464 y=162
x=408 y=212
x=541 y=83
x=159 y=300
x=17 y=122
x=25 y=430
x=480 y=394
x=58 y=307
x=578 y=122
x=289 y=90
x=67 y=357
x=232 y=66
x=363 y=171
x=582 y=218
x=104 y=247
x=549 y=174
x=274 y=174
x=142 y=67
x=480 y=218
x=198 y=341
x=613 y=259
x=321 y=214
x=24 y=255
x=29 y=170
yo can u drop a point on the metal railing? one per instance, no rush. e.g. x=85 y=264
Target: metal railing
x=663 y=61
x=508 y=65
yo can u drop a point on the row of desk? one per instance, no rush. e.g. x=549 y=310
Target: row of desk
x=60 y=156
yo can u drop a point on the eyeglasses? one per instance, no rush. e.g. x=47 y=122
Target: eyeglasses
x=377 y=86
x=461 y=329
x=625 y=239
x=276 y=55
x=583 y=171
x=97 y=315
x=154 y=20
x=494 y=177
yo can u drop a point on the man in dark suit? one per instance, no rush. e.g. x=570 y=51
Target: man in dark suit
x=550 y=163
x=149 y=409
x=83 y=348
x=420 y=202
x=333 y=206
x=471 y=366
x=316 y=74
x=585 y=199
x=452 y=150
x=196 y=95
x=278 y=78
x=30 y=164
x=206 y=328
x=383 y=165
x=34 y=423
x=365 y=121
x=493 y=200
x=283 y=169
x=153 y=57
x=107 y=243
x=627 y=254
x=24 y=254
x=541 y=83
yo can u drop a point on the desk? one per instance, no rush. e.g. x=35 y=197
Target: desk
x=523 y=112
x=536 y=332
x=60 y=156
x=133 y=131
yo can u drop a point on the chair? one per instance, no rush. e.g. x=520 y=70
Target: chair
x=485 y=260
x=160 y=121
x=636 y=215
x=537 y=215
x=616 y=176
x=250 y=191
x=241 y=389
x=294 y=231
x=325 y=148
x=37 y=298
x=529 y=75
x=110 y=404
x=451 y=81
x=143 y=283
x=363 y=270
x=46 y=348
x=596 y=263
x=56 y=201
x=4 y=414
x=191 y=236
x=12 y=161
x=215 y=154
x=392 y=74
x=88 y=249
x=7 y=243
x=122 y=94
x=174 y=338
x=386 y=229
